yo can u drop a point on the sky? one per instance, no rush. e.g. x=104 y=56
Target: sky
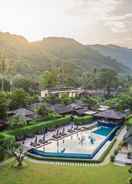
x=88 y=21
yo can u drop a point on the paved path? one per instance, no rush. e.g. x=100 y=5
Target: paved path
x=119 y=139
x=84 y=164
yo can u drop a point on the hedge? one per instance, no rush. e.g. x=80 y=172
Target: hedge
x=4 y=138
x=83 y=119
x=35 y=127
x=51 y=116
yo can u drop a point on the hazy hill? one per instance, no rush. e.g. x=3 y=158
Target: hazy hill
x=69 y=50
x=35 y=57
x=121 y=54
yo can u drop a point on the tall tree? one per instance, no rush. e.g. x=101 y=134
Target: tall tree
x=7 y=70
x=3 y=68
x=108 y=80
x=49 y=79
x=29 y=85
x=19 y=98
x=3 y=105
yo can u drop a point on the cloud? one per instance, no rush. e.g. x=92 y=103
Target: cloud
x=119 y=24
x=96 y=8
x=112 y=19
x=88 y=21
x=106 y=11
x=121 y=17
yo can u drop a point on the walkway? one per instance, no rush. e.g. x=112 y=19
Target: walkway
x=119 y=139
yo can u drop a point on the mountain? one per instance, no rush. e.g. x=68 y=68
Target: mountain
x=70 y=51
x=121 y=54
x=32 y=58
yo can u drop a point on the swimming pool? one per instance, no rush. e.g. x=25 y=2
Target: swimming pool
x=84 y=144
x=103 y=130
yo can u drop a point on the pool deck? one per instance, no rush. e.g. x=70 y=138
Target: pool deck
x=49 y=134
x=92 y=153
x=106 y=161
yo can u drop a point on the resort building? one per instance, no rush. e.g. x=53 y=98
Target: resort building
x=111 y=115
x=73 y=109
x=62 y=109
x=26 y=114
x=72 y=92
x=59 y=93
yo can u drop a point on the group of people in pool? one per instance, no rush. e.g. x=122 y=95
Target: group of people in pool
x=81 y=140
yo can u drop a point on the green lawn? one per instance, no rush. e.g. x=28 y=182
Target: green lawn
x=53 y=174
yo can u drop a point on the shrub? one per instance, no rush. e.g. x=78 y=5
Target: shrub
x=16 y=122
x=83 y=119
x=5 y=140
x=115 y=152
x=130 y=170
x=112 y=158
x=130 y=181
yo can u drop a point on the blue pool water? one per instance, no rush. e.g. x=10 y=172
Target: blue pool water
x=103 y=131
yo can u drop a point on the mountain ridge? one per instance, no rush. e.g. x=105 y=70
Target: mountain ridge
x=35 y=57
x=122 y=55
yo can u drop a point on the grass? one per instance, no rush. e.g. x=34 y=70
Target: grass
x=36 y=173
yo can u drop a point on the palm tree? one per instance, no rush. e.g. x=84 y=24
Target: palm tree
x=6 y=69
x=19 y=153
x=2 y=69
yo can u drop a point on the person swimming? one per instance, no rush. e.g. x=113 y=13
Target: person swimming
x=62 y=151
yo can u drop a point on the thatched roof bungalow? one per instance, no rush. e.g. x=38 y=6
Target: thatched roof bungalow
x=61 y=109
x=22 y=112
x=110 y=115
x=69 y=109
x=80 y=112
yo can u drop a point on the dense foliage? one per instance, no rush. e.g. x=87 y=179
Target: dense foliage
x=121 y=102
x=83 y=119
x=92 y=101
x=3 y=105
x=19 y=98
x=36 y=126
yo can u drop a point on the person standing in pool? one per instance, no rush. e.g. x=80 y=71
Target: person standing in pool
x=57 y=146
